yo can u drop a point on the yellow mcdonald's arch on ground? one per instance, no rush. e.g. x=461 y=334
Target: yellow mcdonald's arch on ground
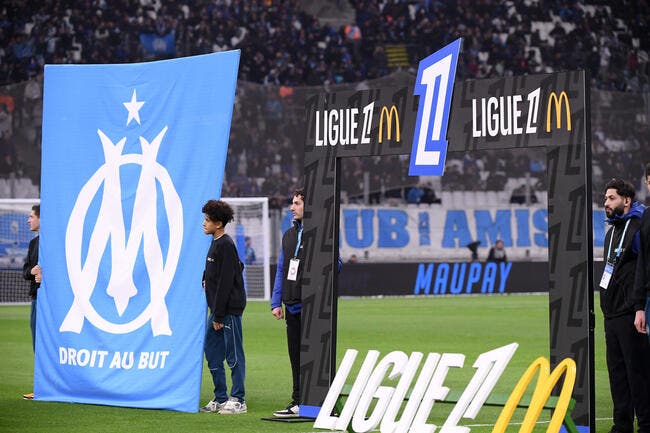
x=555 y=101
x=388 y=115
x=545 y=384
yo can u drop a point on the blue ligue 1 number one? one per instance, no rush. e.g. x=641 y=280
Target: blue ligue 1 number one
x=434 y=85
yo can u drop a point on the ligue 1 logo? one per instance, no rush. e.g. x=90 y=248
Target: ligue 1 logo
x=435 y=85
x=414 y=395
x=110 y=229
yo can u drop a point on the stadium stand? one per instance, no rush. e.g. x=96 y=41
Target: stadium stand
x=287 y=46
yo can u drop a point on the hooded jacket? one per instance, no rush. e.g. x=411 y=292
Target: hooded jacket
x=621 y=297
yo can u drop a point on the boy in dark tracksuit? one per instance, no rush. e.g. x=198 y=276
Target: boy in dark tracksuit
x=627 y=351
x=224 y=292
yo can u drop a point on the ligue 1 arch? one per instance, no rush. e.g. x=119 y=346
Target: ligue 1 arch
x=425 y=121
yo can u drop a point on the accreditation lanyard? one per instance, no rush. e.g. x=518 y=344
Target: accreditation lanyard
x=292 y=274
x=609 y=264
x=295 y=253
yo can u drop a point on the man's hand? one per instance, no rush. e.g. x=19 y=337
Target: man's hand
x=639 y=321
x=37 y=272
x=278 y=313
x=217 y=326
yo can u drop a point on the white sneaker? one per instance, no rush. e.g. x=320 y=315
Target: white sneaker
x=212 y=406
x=291 y=411
x=233 y=406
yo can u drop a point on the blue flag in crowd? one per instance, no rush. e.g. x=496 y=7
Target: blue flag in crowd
x=130 y=155
x=157 y=44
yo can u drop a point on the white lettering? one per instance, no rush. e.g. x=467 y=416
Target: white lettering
x=388 y=423
x=373 y=390
x=333 y=133
x=533 y=105
x=151 y=360
x=504 y=116
x=354 y=124
x=341 y=127
x=475 y=132
x=319 y=141
x=516 y=114
x=324 y=419
x=63 y=355
x=357 y=389
x=367 y=123
x=124 y=361
x=489 y=368
x=429 y=387
x=82 y=357
x=435 y=391
x=493 y=117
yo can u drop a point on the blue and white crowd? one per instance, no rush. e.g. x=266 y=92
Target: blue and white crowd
x=285 y=48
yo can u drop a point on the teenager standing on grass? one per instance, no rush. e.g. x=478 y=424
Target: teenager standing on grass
x=224 y=291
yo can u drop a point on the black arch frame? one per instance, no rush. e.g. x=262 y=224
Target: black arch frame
x=570 y=231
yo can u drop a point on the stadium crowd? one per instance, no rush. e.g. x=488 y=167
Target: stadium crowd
x=285 y=48
x=282 y=44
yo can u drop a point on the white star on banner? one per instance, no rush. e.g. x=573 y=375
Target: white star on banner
x=133 y=106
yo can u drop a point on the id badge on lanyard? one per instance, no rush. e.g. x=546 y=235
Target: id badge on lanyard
x=607 y=275
x=292 y=273
x=609 y=265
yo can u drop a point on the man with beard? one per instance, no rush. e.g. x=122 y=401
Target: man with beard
x=627 y=351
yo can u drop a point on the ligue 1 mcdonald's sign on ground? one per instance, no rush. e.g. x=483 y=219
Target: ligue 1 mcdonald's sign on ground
x=426 y=118
x=429 y=387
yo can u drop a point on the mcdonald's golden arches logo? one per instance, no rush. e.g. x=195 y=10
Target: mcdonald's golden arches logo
x=387 y=114
x=555 y=101
x=545 y=384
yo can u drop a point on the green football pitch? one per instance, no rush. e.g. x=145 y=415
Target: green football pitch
x=467 y=325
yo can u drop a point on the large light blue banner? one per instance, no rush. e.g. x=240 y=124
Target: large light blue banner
x=130 y=155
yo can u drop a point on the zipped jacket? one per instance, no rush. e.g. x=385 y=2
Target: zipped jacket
x=620 y=297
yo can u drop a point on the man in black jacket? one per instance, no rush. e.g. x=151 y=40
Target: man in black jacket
x=32 y=272
x=627 y=351
x=287 y=291
x=224 y=292
x=642 y=279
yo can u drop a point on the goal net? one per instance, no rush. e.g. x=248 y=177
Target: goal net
x=14 y=241
x=251 y=232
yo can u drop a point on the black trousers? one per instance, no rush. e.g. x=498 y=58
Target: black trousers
x=293 y=343
x=628 y=365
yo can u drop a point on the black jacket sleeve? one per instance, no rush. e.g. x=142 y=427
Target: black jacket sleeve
x=31 y=260
x=641 y=274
